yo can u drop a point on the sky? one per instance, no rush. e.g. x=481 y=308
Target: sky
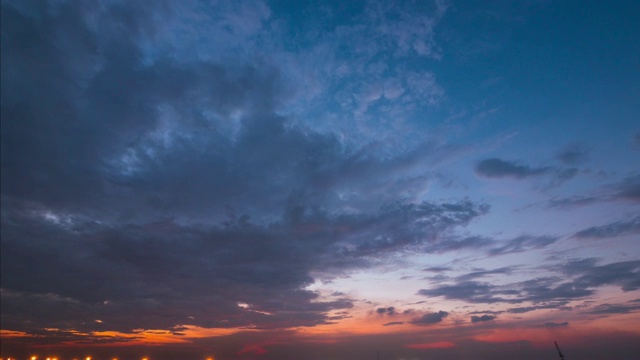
x=320 y=180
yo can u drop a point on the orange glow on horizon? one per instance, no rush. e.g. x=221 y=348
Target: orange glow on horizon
x=433 y=345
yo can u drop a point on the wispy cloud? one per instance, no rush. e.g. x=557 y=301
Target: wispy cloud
x=523 y=243
x=498 y=168
x=614 y=229
x=573 y=154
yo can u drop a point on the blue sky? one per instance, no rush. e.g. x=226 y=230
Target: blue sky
x=251 y=180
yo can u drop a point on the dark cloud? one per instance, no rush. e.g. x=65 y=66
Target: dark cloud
x=190 y=269
x=483 y=318
x=431 y=318
x=573 y=154
x=614 y=229
x=485 y=312
x=523 y=243
x=607 y=309
x=482 y=273
x=471 y=291
x=437 y=269
x=574 y=201
x=556 y=325
x=448 y=244
x=497 y=168
x=141 y=189
x=526 y=309
x=388 y=311
x=628 y=189
x=393 y=323
x=545 y=292
x=590 y=275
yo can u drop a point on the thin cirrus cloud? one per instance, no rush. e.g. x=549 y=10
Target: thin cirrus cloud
x=498 y=168
x=614 y=229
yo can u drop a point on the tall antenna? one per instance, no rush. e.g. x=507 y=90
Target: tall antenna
x=559 y=352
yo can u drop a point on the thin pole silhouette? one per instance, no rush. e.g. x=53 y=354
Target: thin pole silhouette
x=559 y=352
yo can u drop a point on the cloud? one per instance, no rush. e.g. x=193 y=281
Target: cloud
x=497 y=168
x=556 y=324
x=574 y=201
x=607 y=309
x=483 y=318
x=523 y=243
x=590 y=275
x=393 y=323
x=482 y=273
x=389 y=311
x=431 y=318
x=161 y=168
x=573 y=154
x=614 y=229
x=437 y=269
x=471 y=291
x=579 y=280
x=526 y=309
x=628 y=189
x=451 y=243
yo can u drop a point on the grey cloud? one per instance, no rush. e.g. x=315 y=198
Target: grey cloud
x=526 y=309
x=486 y=312
x=497 y=168
x=614 y=229
x=546 y=292
x=570 y=202
x=628 y=189
x=393 y=323
x=483 y=318
x=470 y=291
x=430 y=318
x=573 y=154
x=556 y=325
x=585 y=275
x=452 y=244
x=138 y=184
x=607 y=309
x=389 y=311
x=523 y=243
x=483 y=273
x=590 y=274
x=144 y=268
x=437 y=269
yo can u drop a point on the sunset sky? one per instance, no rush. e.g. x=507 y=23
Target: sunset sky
x=348 y=180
